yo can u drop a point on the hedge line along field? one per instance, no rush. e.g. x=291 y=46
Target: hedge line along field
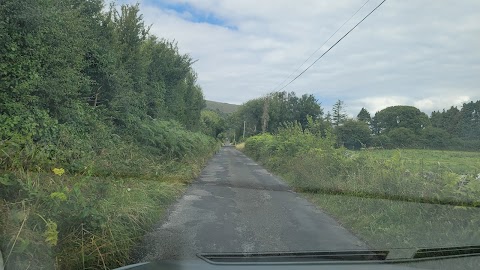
x=390 y=198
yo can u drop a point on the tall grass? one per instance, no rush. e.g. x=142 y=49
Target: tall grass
x=459 y=162
x=386 y=224
x=312 y=164
x=103 y=193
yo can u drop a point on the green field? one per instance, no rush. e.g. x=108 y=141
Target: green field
x=402 y=175
x=389 y=198
x=385 y=223
x=459 y=162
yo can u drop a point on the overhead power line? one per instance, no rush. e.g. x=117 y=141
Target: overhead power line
x=358 y=10
x=301 y=73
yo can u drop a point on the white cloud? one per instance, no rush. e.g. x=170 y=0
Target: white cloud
x=434 y=103
x=375 y=104
x=421 y=53
x=427 y=105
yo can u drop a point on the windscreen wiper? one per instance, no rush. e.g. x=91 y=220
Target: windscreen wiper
x=351 y=256
x=449 y=252
x=293 y=257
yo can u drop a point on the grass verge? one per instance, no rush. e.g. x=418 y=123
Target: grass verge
x=385 y=224
x=89 y=220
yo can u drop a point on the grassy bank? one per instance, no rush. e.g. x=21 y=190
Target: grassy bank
x=394 y=198
x=88 y=211
x=83 y=222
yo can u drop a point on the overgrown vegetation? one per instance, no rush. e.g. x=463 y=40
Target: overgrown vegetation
x=100 y=130
x=90 y=219
x=269 y=113
x=390 y=128
x=312 y=164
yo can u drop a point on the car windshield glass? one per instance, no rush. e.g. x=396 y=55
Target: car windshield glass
x=136 y=131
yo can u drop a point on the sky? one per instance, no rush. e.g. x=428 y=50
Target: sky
x=424 y=53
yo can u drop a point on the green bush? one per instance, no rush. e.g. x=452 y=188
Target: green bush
x=382 y=141
x=402 y=137
x=353 y=134
x=171 y=140
x=467 y=145
x=435 y=138
x=290 y=140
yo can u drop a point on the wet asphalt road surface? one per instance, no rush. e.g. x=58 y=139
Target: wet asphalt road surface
x=237 y=206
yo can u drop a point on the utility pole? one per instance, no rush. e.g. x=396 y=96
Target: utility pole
x=265 y=117
x=244 y=124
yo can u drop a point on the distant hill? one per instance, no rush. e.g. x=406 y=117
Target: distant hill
x=222 y=107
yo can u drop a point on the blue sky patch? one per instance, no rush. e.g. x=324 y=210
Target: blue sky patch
x=193 y=14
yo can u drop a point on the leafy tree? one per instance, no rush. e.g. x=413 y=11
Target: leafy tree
x=449 y=120
x=463 y=123
x=400 y=116
x=364 y=116
x=402 y=137
x=328 y=117
x=73 y=63
x=338 y=113
x=249 y=113
x=212 y=124
x=89 y=90
x=470 y=120
x=274 y=111
x=41 y=65
x=353 y=134
x=452 y=122
x=320 y=127
x=381 y=141
x=436 y=118
x=308 y=106
x=194 y=102
x=435 y=138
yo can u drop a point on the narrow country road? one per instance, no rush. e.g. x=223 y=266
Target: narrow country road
x=237 y=206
